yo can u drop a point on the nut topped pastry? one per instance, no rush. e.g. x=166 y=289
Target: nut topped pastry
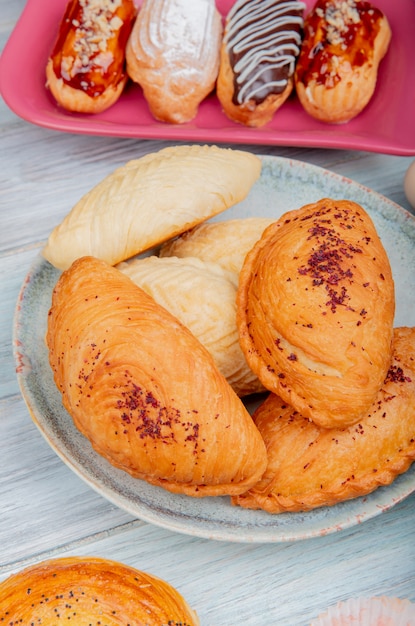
x=261 y=43
x=86 y=70
x=343 y=45
x=315 y=311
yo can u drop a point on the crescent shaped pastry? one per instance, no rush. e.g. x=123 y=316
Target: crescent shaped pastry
x=143 y=390
x=173 y=54
x=202 y=296
x=309 y=466
x=315 y=311
x=91 y=590
x=337 y=69
x=149 y=200
x=86 y=70
x=226 y=243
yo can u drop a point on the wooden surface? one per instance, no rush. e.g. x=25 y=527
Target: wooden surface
x=46 y=510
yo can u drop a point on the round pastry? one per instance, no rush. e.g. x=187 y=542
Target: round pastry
x=86 y=69
x=261 y=43
x=315 y=311
x=173 y=54
x=309 y=466
x=336 y=73
x=202 y=295
x=226 y=242
x=90 y=591
x=144 y=391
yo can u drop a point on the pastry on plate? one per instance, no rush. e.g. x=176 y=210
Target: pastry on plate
x=337 y=69
x=309 y=466
x=173 y=54
x=143 y=390
x=90 y=590
x=148 y=200
x=202 y=295
x=86 y=70
x=226 y=242
x=315 y=310
x=261 y=43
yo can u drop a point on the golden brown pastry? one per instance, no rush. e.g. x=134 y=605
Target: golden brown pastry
x=315 y=311
x=261 y=43
x=173 y=54
x=225 y=243
x=144 y=390
x=86 y=70
x=309 y=466
x=336 y=73
x=151 y=199
x=91 y=591
x=202 y=295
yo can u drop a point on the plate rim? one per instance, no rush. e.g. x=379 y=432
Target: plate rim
x=174 y=523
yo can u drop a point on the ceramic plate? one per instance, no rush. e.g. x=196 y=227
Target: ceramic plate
x=284 y=185
x=386 y=125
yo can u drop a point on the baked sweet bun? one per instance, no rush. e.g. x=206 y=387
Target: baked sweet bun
x=202 y=295
x=225 y=243
x=151 y=199
x=173 y=54
x=89 y=591
x=315 y=310
x=86 y=70
x=337 y=69
x=143 y=390
x=261 y=43
x=309 y=466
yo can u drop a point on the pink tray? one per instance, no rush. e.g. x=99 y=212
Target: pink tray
x=386 y=125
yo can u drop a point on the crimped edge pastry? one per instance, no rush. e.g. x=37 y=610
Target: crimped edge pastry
x=88 y=591
x=148 y=200
x=310 y=467
x=315 y=310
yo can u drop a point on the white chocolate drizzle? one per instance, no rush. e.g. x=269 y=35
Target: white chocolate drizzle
x=264 y=38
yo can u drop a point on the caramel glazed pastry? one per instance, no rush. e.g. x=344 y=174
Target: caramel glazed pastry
x=309 y=466
x=91 y=591
x=261 y=43
x=173 y=54
x=337 y=69
x=86 y=71
x=315 y=310
x=144 y=391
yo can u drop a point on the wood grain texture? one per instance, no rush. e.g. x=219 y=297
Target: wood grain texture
x=46 y=510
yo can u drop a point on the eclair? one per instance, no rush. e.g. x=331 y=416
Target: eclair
x=173 y=54
x=86 y=69
x=343 y=45
x=261 y=43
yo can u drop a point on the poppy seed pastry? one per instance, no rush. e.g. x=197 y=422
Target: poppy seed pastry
x=91 y=590
x=310 y=466
x=315 y=310
x=143 y=390
x=337 y=68
x=151 y=199
x=261 y=43
x=86 y=70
